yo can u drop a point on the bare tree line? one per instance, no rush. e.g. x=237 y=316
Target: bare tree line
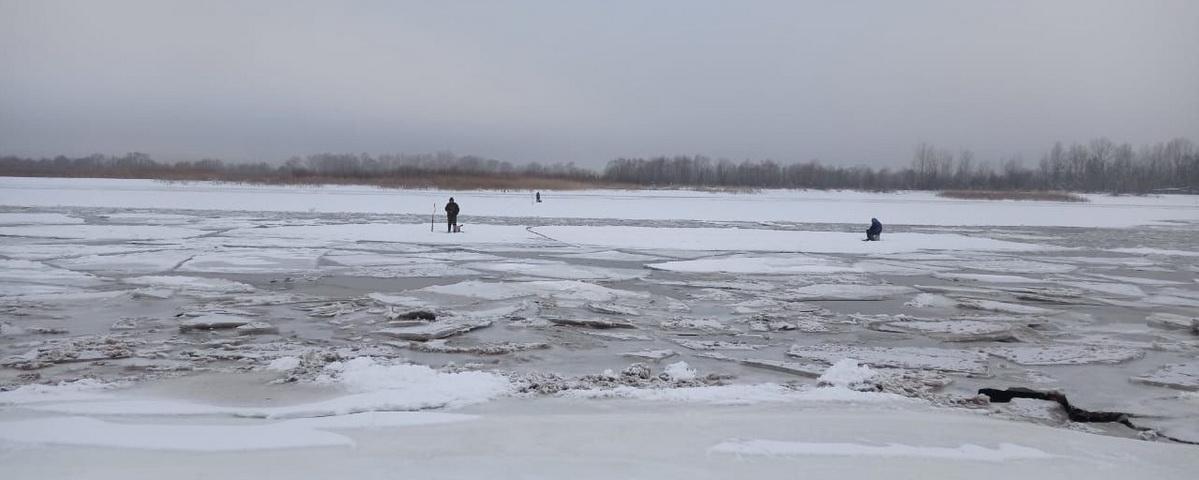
x=1096 y=166
x=419 y=170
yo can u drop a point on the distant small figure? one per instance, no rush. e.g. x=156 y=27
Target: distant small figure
x=451 y=216
x=538 y=197
x=875 y=232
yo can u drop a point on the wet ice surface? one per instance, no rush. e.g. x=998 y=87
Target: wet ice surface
x=541 y=308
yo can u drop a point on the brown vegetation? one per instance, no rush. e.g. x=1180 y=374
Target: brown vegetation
x=1012 y=195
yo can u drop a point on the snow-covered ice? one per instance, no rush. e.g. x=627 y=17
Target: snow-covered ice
x=739 y=239
x=1005 y=452
x=899 y=208
x=749 y=328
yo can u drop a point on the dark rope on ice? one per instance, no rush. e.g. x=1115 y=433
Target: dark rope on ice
x=1075 y=414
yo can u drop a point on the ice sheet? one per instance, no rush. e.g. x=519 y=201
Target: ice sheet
x=738 y=239
x=26 y=271
x=102 y=232
x=251 y=260
x=1005 y=452
x=127 y=263
x=191 y=284
x=37 y=219
x=399 y=233
x=299 y=433
x=562 y=270
x=564 y=289
x=830 y=291
x=944 y=359
x=812 y=206
x=757 y=264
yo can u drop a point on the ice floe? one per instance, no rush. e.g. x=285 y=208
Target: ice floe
x=1004 y=452
x=1173 y=321
x=102 y=232
x=27 y=272
x=952 y=330
x=1064 y=354
x=365 y=384
x=37 y=219
x=398 y=233
x=126 y=263
x=757 y=264
x=296 y=433
x=943 y=359
x=987 y=278
x=567 y=290
x=1182 y=376
x=565 y=271
x=831 y=292
x=191 y=284
x=611 y=256
x=252 y=260
x=738 y=239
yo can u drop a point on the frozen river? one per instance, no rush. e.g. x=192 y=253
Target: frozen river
x=133 y=312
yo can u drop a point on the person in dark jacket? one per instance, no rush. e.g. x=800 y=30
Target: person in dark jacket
x=451 y=215
x=875 y=231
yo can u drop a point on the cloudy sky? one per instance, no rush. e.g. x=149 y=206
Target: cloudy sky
x=846 y=82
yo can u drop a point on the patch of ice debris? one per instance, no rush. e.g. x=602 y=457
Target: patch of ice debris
x=76 y=349
x=284 y=364
x=500 y=348
x=191 y=284
x=951 y=330
x=1064 y=354
x=717 y=345
x=564 y=290
x=680 y=372
x=846 y=373
x=716 y=394
x=942 y=359
x=705 y=325
x=831 y=292
x=931 y=300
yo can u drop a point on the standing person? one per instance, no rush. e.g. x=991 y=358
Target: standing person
x=538 y=197
x=451 y=215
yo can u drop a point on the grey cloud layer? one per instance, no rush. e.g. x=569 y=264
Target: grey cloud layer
x=845 y=82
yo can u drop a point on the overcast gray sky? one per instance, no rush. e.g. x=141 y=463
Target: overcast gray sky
x=846 y=82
